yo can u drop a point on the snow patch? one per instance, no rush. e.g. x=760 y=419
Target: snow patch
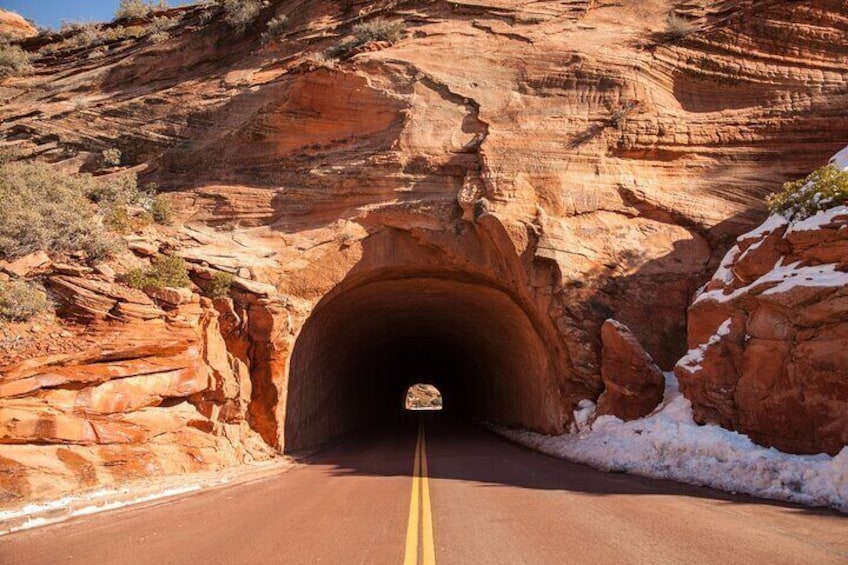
x=788 y=277
x=771 y=225
x=819 y=219
x=693 y=358
x=61 y=509
x=668 y=444
x=841 y=159
x=791 y=276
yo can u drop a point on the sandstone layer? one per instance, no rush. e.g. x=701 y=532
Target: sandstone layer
x=157 y=393
x=13 y=26
x=480 y=196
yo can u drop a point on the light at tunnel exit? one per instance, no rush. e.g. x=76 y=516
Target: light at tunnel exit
x=423 y=397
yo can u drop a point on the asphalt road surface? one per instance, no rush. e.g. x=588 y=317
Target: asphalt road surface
x=447 y=494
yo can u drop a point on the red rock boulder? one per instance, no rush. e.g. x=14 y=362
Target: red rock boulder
x=633 y=384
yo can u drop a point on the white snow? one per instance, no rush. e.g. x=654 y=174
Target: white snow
x=788 y=277
x=668 y=444
x=792 y=275
x=772 y=224
x=692 y=360
x=841 y=159
x=819 y=219
x=724 y=273
x=61 y=509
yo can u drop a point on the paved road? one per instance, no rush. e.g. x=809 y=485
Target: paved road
x=482 y=499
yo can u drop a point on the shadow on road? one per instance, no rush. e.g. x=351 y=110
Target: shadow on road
x=461 y=452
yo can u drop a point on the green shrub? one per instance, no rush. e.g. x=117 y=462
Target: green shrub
x=378 y=29
x=163 y=23
x=21 y=301
x=164 y=271
x=119 y=219
x=239 y=14
x=116 y=190
x=98 y=52
x=160 y=210
x=87 y=35
x=121 y=33
x=155 y=204
x=824 y=188
x=14 y=61
x=160 y=36
x=79 y=35
x=111 y=157
x=219 y=286
x=42 y=208
x=276 y=27
x=134 y=9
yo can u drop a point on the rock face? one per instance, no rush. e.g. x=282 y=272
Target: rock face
x=492 y=187
x=157 y=396
x=768 y=336
x=14 y=26
x=633 y=384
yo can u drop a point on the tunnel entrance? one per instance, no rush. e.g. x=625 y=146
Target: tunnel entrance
x=364 y=346
x=422 y=396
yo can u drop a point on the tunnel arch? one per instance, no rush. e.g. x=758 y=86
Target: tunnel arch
x=365 y=344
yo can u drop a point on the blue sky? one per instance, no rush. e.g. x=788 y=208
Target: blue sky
x=50 y=13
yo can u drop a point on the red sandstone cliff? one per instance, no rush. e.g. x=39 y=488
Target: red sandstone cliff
x=13 y=26
x=503 y=179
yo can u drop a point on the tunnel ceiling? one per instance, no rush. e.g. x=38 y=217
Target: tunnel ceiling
x=363 y=347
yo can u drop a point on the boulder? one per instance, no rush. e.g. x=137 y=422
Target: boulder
x=633 y=384
x=143 y=248
x=171 y=297
x=26 y=265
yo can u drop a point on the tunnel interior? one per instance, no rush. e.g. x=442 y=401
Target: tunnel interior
x=363 y=347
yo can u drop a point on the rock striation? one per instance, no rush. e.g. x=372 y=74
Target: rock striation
x=493 y=186
x=151 y=397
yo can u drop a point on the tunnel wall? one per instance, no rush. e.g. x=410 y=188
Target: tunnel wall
x=362 y=347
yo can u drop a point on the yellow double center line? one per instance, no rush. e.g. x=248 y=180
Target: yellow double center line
x=419 y=511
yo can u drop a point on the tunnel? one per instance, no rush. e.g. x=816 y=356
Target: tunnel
x=364 y=346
